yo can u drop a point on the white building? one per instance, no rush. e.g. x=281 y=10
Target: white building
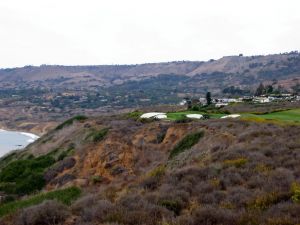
x=262 y=99
x=218 y=105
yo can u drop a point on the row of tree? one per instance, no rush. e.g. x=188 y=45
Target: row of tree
x=262 y=90
x=268 y=89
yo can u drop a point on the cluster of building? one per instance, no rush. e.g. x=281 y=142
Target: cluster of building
x=219 y=102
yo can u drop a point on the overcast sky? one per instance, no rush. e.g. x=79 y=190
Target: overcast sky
x=89 y=32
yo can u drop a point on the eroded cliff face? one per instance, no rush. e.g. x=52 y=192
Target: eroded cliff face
x=129 y=150
x=104 y=151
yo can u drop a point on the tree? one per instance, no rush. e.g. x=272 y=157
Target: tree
x=269 y=89
x=296 y=88
x=208 y=98
x=232 y=90
x=260 y=90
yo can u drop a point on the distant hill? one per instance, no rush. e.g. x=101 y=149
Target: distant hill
x=214 y=75
x=31 y=95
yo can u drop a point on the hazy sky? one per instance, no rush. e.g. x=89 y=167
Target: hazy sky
x=34 y=32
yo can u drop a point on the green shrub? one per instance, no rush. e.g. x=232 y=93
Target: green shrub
x=96 y=179
x=147 y=120
x=196 y=108
x=71 y=121
x=134 y=115
x=65 y=196
x=158 y=171
x=206 y=116
x=25 y=176
x=187 y=142
x=62 y=155
x=99 y=135
x=263 y=202
x=7 y=159
x=65 y=153
x=183 y=119
x=31 y=183
x=239 y=162
x=262 y=168
x=296 y=192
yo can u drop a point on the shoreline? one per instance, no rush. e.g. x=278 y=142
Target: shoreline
x=30 y=135
x=38 y=129
x=29 y=138
x=5 y=128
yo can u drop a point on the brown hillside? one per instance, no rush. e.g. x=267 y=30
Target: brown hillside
x=242 y=71
x=237 y=172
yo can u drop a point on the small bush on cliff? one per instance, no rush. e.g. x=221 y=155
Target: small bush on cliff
x=172 y=205
x=152 y=179
x=239 y=162
x=99 y=135
x=296 y=192
x=187 y=142
x=71 y=121
x=134 y=115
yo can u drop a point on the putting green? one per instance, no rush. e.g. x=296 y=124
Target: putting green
x=288 y=116
x=182 y=115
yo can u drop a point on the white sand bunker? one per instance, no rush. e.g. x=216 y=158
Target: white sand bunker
x=231 y=116
x=161 y=117
x=157 y=115
x=194 y=116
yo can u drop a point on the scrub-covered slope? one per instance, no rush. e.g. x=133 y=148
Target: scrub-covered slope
x=165 y=172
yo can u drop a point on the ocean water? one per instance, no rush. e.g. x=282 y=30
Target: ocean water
x=13 y=140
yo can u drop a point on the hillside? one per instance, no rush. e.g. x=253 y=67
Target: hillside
x=133 y=171
x=231 y=70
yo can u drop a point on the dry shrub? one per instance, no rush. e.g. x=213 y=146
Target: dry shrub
x=97 y=212
x=283 y=214
x=131 y=209
x=256 y=181
x=90 y=208
x=231 y=177
x=265 y=200
x=62 y=165
x=239 y=197
x=203 y=187
x=209 y=215
x=62 y=180
x=46 y=213
x=84 y=202
x=150 y=183
x=279 y=180
x=214 y=197
x=249 y=135
x=153 y=178
x=148 y=215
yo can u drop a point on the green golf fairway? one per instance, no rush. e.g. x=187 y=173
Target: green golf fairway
x=181 y=115
x=289 y=116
